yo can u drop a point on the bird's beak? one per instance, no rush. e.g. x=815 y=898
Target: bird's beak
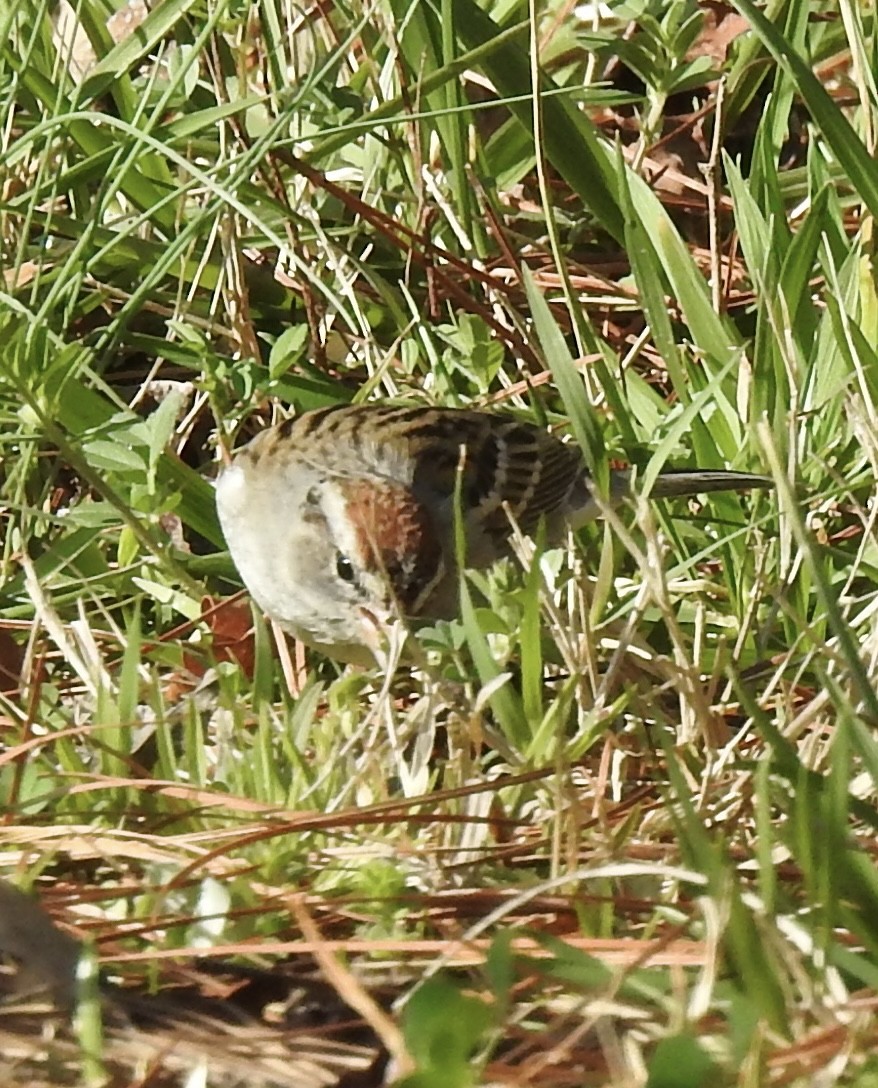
x=384 y=633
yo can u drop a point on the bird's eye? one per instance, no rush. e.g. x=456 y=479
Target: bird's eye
x=344 y=568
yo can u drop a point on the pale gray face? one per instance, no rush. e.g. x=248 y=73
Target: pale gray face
x=284 y=543
x=331 y=547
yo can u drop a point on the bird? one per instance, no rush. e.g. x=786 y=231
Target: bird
x=342 y=519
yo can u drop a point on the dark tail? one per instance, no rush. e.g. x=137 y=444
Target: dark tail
x=671 y=485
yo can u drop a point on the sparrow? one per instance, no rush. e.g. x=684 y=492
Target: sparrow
x=343 y=519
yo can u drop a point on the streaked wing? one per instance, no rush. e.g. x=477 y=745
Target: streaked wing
x=505 y=464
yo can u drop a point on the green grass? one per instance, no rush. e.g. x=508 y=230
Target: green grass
x=620 y=827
